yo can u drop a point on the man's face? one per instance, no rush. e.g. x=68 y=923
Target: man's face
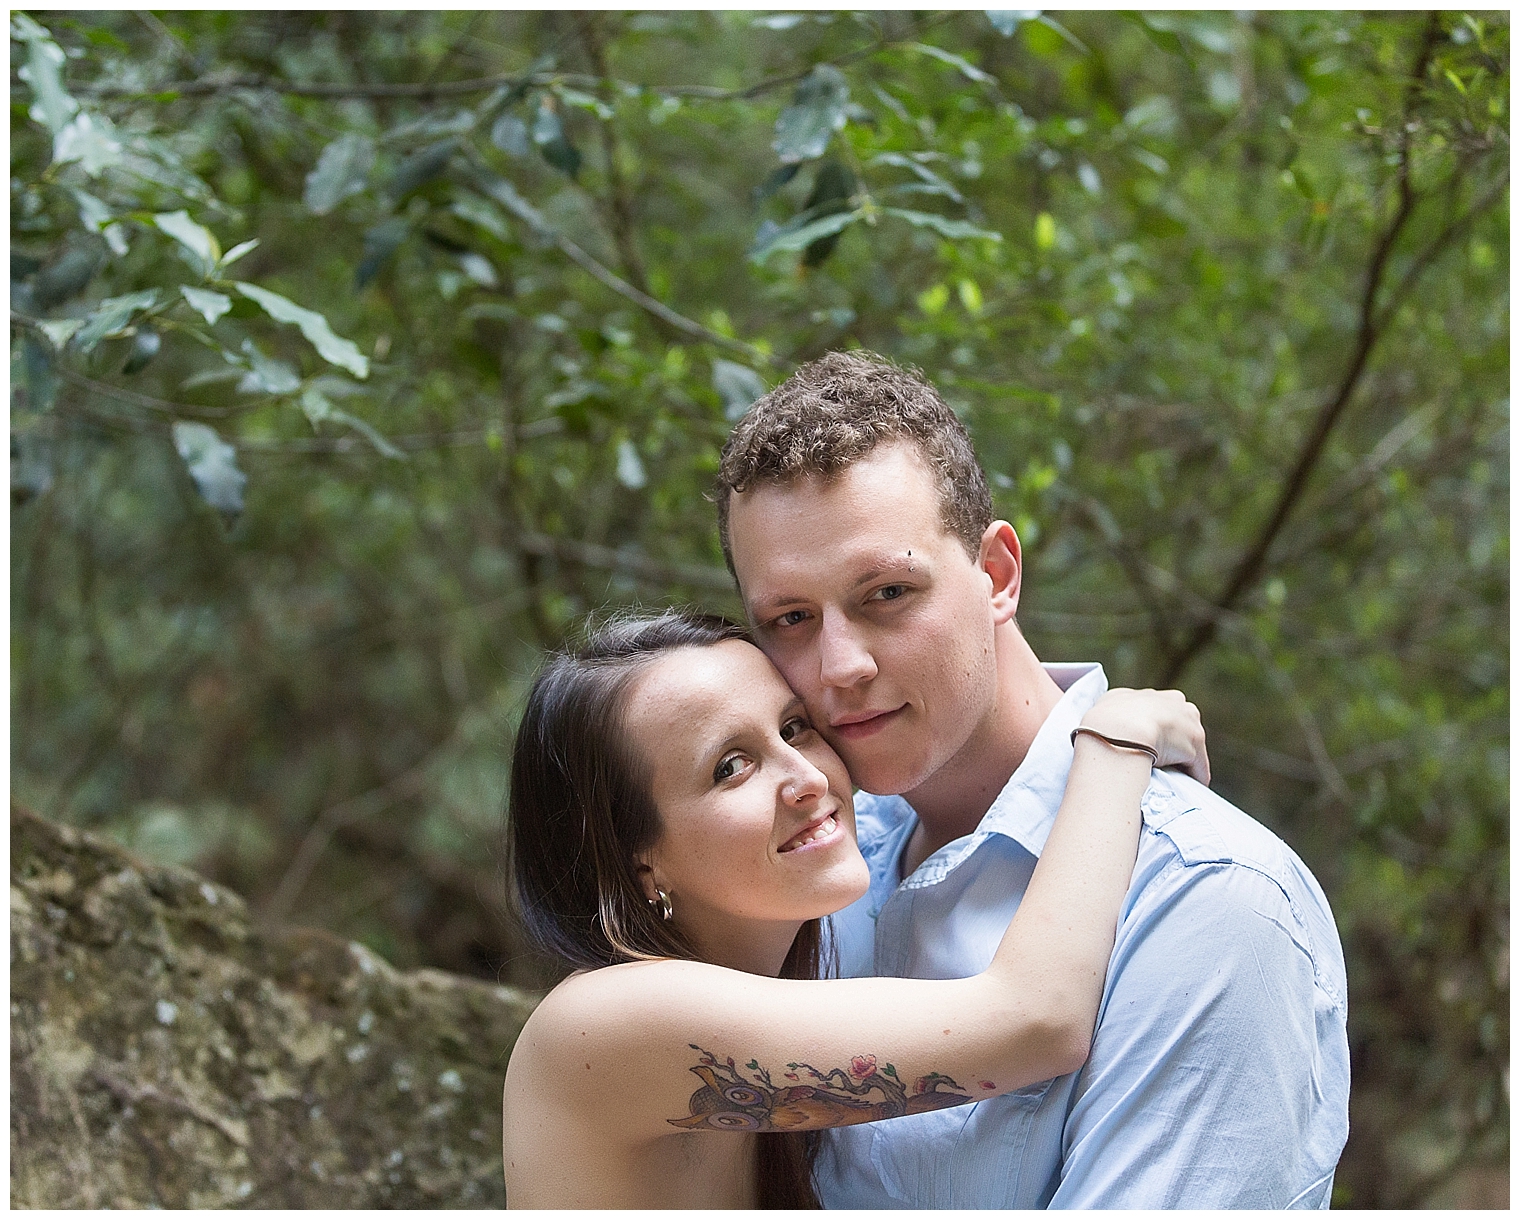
x=873 y=612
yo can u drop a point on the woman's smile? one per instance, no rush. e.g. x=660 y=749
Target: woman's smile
x=817 y=833
x=744 y=783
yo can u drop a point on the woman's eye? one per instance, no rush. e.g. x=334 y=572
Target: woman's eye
x=728 y=768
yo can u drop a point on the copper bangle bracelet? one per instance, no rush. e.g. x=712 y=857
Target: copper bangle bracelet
x=1117 y=742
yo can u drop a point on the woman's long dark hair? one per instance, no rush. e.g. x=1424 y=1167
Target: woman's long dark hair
x=580 y=812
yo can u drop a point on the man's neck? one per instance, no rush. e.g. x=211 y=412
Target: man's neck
x=952 y=802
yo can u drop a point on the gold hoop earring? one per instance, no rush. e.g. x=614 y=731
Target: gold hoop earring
x=662 y=904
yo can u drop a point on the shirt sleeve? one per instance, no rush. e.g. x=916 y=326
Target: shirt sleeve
x=1213 y=1080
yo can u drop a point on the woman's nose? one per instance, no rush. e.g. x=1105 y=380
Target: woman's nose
x=806 y=783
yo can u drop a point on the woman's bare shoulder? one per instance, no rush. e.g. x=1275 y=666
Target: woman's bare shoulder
x=596 y=1005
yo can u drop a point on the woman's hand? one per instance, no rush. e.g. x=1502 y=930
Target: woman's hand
x=1162 y=719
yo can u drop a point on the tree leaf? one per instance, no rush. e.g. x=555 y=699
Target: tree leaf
x=1051 y=23
x=833 y=186
x=195 y=238
x=510 y=134
x=67 y=276
x=380 y=243
x=33 y=374
x=805 y=128
x=553 y=144
x=471 y=207
x=266 y=375
x=320 y=409
x=112 y=315
x=420 y=168
x=786 y=238
x=144 y=347
x=775 y=180
x=332 y=348
x=60 y=330
x=237 y=251
x=210 y=305
x=342 y=170
x=368 y=432
x=964 y=66
x=42 y=71
x=943 y=225
x=316 y=405
x=89 y=141
x=928 y=177
x=97 y=218
x=630 y=467
x=212 y=463
x=1006 y=21
x=585 y=101
x=93 y=214
x=738 y=385
x=31 y=469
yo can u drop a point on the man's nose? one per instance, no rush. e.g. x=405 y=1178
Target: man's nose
x=843 y=658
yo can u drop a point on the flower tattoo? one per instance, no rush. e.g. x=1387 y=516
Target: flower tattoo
x=746 y=1099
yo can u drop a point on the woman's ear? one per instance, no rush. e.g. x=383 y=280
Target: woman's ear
x=1003 y=562
x=647 y=882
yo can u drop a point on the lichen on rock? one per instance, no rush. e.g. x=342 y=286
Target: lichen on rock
x=167 y=1051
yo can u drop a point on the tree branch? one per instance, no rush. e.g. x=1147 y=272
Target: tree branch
x=1369 y=330
x=506 y=195
x=205 y=85
x=619 y=207
x=590 y=555
x=330 y=820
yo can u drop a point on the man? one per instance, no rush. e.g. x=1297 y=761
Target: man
x=859 y=527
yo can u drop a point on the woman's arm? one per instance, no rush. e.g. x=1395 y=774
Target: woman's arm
x=652 y=1048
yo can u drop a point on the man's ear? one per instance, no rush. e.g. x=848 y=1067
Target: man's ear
x=1003 y=561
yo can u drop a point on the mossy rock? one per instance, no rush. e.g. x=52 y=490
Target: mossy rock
x=168 y=1051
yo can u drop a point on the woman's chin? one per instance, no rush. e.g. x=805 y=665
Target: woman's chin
x=848 y=883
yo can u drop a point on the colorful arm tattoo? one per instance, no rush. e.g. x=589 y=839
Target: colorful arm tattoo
x=746 y=1099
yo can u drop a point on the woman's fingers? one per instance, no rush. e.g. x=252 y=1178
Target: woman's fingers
x=1164 y=718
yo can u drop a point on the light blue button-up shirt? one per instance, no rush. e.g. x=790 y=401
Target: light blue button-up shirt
x=1219 y=1073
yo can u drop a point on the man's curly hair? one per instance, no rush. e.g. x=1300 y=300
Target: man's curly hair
x=833 y=411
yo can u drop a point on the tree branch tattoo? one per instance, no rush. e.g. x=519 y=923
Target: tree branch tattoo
x=747 y=1099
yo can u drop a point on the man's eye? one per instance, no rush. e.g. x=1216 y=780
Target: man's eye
x=795 y=728
x=728 y=768
x=792 y=617
x=889 y=593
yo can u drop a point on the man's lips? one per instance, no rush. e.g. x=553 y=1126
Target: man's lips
x=859 y=725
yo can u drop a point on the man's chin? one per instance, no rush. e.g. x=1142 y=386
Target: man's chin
x=883 y=776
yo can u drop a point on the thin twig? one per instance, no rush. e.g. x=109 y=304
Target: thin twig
x=484 y=84
x=1369 y=330
x=506 y=195
x=327 y=823
x=589 y=554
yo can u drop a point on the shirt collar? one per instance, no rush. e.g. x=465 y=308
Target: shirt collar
x=1026 y=808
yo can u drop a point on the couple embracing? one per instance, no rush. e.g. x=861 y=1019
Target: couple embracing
x=1033 y=962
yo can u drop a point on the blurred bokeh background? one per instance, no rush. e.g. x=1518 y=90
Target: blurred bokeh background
x=1223 y=299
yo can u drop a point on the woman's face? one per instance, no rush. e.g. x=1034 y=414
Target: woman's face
x=757 y=829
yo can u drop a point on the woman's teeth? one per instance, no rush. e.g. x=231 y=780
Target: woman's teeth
x=821 y=831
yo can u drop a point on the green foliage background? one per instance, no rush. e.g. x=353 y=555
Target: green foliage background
x=1223 y=300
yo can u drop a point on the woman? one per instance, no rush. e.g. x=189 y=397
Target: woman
x=678 y=831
